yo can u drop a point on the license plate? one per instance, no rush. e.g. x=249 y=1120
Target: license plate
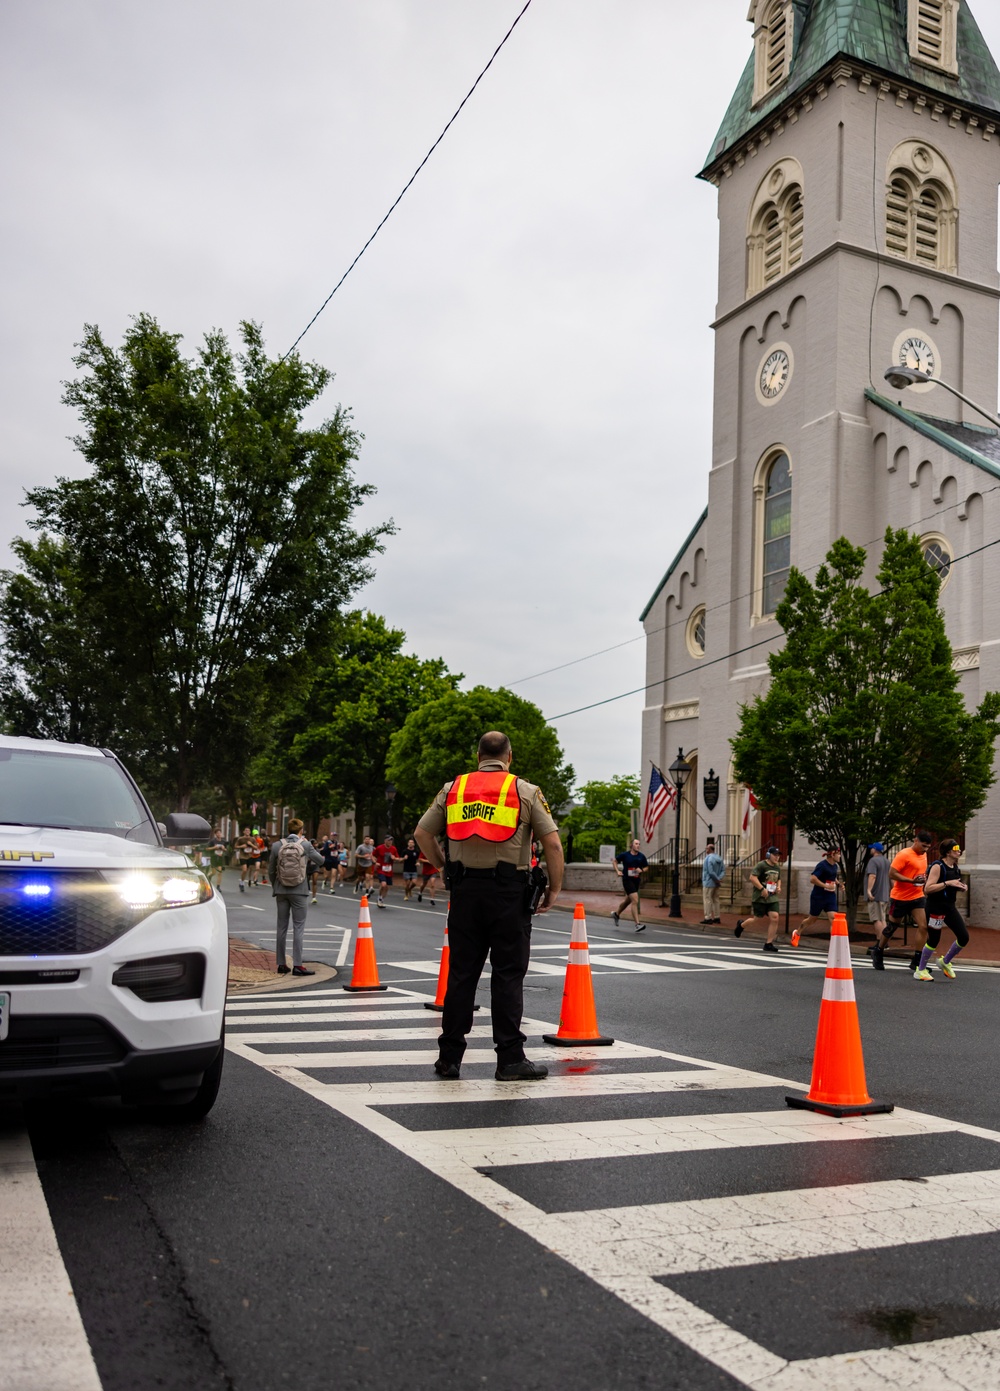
x=4 y=1013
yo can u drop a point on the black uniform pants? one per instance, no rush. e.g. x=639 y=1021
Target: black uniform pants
x=488 y=917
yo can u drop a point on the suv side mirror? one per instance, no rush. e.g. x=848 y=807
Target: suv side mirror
x=184 y=828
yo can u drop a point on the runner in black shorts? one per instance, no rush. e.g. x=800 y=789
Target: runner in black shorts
x=944 y=884
x=411 y=858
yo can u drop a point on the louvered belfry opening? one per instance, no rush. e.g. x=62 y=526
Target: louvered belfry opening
x=776 y=25
x=930 y=43
x=775 y=245
x=917 y=218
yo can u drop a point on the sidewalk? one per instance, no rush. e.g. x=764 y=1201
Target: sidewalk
x=983 y=948
x=252 y=968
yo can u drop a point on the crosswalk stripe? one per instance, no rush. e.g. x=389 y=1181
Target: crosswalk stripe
x=630 y=1251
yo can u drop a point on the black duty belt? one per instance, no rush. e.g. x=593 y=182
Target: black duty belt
x=500 y=872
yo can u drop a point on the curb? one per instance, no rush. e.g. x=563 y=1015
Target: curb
x=262 y=963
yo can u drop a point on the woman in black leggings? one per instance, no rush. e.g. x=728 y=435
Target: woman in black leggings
x=944 y=884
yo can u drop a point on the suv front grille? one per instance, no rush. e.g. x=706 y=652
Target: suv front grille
x=81 y=913
x=37 y=1041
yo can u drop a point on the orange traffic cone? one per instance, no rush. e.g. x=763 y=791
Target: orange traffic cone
x=838 y=1077
x=442 y=988
x=365 y=973
x=578 y=1017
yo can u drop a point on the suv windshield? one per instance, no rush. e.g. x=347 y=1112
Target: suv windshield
x=74 y=791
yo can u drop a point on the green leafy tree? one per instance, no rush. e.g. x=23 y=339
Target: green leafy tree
x=439 y=741
x=863 y=734
x=603 y=818
x=328 y=751
x=187 y=563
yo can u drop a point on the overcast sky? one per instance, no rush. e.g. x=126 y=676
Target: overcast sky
x=525 y=347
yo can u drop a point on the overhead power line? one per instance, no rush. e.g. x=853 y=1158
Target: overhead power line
x=702 y=664
x=409 y=182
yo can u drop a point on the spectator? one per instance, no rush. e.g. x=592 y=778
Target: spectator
x=713 y=871
x=288 y=870
x=630 y=865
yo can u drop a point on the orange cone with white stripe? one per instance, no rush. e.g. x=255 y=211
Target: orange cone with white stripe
x=442 y=988
x=838 y=1077
x=364 y=976
x=578 y=1017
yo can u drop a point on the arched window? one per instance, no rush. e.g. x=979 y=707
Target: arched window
x=695 y=634
x=932 y=31
x=773 y=531
x=773 y=36
x=938 y=554
x=775 y=238
x=921 y=208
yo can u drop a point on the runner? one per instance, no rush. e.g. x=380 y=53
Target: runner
x=907 y=875
x=765 y=882
x=264 y=841
x=630 y=865
x=823 y=896
x=245 y=848
x=386 y=856
x=944 y=884
x=218 y=854
x=411 y=859
x=343 y=859
x=316 y=869
x=329 y=850
x=429 y=882
x=363 y=866
x=253 y=874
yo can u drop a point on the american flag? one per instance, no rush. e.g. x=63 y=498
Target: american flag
x=661 y=796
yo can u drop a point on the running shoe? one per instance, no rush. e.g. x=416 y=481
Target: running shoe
x=314 y=899
x=945 y=966
x=243 y=887
x=877 y=954
x=420 y=898
x=796 y=937
x=640 y=927
x=738 y=929
x=433 y=904
x=923 y=974
x=915 y=961
x=614 y=919
x=379 y=903
x=772 y=947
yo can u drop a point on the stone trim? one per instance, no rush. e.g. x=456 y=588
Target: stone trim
x=681 y=710
x=965 y=658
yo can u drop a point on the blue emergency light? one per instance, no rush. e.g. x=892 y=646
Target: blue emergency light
x=36 y=888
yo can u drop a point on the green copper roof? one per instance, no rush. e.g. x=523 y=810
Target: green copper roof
x=973 y=443
x=872 y=32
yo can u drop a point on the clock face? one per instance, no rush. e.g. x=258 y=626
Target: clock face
x=919 y=352
x=915 y=352
x=774 y=373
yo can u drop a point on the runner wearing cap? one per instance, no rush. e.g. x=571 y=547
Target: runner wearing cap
x=765 y=882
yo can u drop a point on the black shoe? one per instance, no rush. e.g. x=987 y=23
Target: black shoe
x=640 y=927
x=282 y=970
x=302 y=971
x=771 y=947
x=447 y=1070
x=915 y=961
x=878 y=957
x=706 y=922
x=524 y=1071
x=614 y=919
x=738 y=929
x=420 y=898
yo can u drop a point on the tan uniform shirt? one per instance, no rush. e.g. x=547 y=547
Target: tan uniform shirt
x=535 y=820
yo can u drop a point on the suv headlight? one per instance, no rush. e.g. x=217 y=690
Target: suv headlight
x=151 y=889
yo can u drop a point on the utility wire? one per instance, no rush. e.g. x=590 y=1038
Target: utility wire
x=409 y=182
x=737 y=652
x=727 y=603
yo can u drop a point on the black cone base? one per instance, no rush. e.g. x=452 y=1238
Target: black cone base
x=364 y=989
x=871 y=1108
x=440 y=1008
x=577 y=1042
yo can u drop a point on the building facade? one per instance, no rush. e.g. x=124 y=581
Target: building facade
x=857 y=171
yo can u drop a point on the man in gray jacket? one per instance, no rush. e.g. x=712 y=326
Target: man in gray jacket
x=287 y=869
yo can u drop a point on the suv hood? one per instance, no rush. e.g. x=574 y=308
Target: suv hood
x=35 y=847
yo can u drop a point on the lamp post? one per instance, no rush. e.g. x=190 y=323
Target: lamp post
x=679 y=772
x=902 y=377
x=390 y=797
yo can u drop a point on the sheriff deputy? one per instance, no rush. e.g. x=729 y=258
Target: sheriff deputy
x=489 y=819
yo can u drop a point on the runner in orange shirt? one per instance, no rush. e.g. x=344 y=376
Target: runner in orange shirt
x=908 y=875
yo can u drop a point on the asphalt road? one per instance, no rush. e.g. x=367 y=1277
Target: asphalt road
x=654 y=1215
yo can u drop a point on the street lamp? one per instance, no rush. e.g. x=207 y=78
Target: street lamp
x=902 y=377
x=679 y=772
x=390 y=797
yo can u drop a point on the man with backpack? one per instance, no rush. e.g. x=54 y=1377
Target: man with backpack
x=288 y=871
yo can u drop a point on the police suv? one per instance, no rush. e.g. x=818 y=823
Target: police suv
x=113 y=948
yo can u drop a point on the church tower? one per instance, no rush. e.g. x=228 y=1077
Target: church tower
x=857 y=169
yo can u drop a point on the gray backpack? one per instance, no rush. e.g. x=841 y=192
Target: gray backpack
x=291 y=864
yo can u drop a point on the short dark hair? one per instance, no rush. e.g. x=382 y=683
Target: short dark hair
x=494 y=744
x=926 y=836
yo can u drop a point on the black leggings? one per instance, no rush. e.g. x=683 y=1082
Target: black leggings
x=952 y=919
